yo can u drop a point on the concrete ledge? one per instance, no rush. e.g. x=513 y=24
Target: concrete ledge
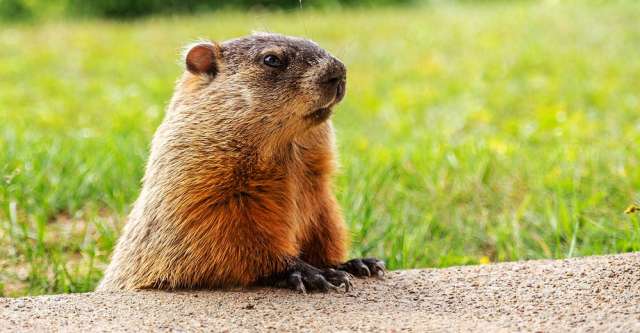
x=586 y=294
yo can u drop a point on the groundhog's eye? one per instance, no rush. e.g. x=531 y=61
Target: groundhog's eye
x=272 y=61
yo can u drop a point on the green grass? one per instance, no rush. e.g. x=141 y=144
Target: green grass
x=469 y=133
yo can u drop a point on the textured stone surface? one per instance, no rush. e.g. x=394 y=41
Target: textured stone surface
x=586 y=294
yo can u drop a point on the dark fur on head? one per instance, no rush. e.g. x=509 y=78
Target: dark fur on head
x=288 y=99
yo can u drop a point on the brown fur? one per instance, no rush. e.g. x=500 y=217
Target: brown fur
x=238 y=181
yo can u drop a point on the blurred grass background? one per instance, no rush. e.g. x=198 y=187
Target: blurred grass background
x=21 y=10
x=471 y=132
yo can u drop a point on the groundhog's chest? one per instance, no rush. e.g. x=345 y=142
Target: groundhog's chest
x=306 y=180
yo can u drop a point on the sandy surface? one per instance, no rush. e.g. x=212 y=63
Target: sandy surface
x=588 y=294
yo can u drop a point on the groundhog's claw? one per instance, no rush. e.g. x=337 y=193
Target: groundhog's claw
x=303 y=277
x=339 y=278
x=365 y=267
x=295 y=282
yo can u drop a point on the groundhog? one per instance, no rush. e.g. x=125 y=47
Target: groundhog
x=238 y=186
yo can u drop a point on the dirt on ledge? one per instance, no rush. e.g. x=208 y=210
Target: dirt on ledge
x=586 y=294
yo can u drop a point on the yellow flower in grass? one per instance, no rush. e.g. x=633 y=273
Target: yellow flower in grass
x=484 y=260
x=362 y=143
x=482 y=116
x=498 y=146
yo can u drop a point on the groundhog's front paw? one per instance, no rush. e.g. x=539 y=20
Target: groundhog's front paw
x=364 y=267
x=303 y=277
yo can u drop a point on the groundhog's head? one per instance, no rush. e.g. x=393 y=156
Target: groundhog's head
x=271 y=79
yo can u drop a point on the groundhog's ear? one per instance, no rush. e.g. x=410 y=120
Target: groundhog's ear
x=203 y=58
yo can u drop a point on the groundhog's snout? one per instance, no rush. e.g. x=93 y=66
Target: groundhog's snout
x=334 y=79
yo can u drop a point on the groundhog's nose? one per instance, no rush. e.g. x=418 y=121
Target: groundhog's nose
x=335 y=78
x=335 y=72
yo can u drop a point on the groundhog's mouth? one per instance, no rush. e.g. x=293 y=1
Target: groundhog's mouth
x=319 y=115
x=323 y=113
